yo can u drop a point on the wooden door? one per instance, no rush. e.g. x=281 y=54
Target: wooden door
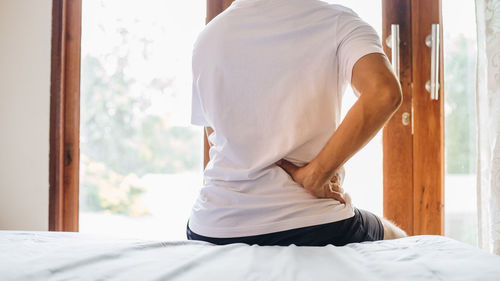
x=398 y=132
x=414 y=150
x=428 y=116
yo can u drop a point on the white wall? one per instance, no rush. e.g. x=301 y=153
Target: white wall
x=25 y=37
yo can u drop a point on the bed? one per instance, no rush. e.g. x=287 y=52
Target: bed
x=74 y=256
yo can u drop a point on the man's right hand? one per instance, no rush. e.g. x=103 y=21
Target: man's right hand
x=319 y=183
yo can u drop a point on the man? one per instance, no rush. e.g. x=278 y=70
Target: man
x=268 y=80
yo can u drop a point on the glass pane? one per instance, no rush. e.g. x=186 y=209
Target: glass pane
x=460 y=119
x=141 y=161
x=364 y=171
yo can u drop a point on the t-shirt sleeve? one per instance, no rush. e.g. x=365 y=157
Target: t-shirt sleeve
x=356 y=39
x=197 y=114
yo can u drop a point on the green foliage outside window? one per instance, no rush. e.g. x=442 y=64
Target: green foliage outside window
x=120 y=139
x=460 y=111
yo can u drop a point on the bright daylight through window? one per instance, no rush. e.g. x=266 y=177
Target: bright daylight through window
x=141 y=160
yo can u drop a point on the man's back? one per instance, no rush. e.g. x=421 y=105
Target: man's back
x=268 y=77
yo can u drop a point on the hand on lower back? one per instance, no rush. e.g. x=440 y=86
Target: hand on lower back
x=317 y=183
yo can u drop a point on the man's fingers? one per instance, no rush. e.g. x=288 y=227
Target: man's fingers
x=337 y=196
x=288 y=167
x=331 y=189
x=335 y=187
x=336 y=192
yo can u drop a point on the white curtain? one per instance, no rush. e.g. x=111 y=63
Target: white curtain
x=488 y=109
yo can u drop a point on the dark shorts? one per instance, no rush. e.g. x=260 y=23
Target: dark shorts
x=363 y=226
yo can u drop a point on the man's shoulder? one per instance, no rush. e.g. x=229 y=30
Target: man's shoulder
x=223 y=24
x=218 y=25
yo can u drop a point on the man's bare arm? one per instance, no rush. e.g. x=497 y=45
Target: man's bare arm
x=380 y=96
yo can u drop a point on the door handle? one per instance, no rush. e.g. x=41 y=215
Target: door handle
x=393 y=42
x=432 y=41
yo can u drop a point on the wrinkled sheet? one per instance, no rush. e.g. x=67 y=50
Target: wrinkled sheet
x=74 y=256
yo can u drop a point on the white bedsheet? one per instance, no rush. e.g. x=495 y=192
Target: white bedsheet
x=73 y=256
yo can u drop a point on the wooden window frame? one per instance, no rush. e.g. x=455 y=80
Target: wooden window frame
x=413 y=165
x=65 y=115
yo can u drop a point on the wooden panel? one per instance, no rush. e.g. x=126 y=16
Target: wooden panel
x=226 y=3
x=428 y=142
x=206 y=149
x=214 y=7
x=64 y=115
x=56 y=118
x=397 y=138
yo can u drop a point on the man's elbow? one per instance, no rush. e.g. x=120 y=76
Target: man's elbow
x=392 y=97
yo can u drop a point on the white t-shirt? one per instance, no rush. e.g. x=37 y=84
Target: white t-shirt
x=268 y=77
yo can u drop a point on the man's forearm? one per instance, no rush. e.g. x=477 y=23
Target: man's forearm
x=367 y=116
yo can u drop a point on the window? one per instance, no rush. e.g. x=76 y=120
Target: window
x=460 y=116
x=140 y=160
x=412 y=155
